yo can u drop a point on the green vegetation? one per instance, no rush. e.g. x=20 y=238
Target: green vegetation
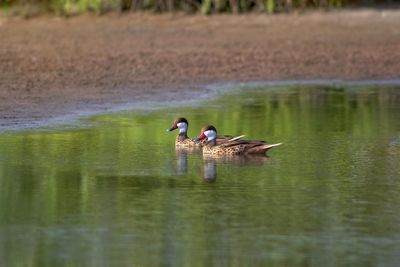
x=71 y=7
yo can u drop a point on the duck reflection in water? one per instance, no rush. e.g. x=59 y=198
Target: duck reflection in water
x=210 y=163
x=208 y=170
x=181 y=163
x=182 y=158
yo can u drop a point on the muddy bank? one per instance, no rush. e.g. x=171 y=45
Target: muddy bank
x=52 y=66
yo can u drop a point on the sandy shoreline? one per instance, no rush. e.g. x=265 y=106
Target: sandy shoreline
x=52 y=67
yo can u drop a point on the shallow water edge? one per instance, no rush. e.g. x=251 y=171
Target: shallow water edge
x=170 y=99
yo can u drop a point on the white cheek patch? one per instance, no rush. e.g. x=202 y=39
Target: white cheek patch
x=182 y=127
x=211 y=135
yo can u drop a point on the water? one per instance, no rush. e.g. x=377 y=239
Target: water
x=114 y=192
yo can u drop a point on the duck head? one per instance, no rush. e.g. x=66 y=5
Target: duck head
x=209 y=132
x=180 y=123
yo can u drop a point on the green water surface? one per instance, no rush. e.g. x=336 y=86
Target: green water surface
x=116 y=193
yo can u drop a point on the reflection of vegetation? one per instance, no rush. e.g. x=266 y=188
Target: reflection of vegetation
x=68 y=7
x=111 y=195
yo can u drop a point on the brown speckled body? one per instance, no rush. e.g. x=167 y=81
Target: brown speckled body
x=239 y=147
x=183 y=141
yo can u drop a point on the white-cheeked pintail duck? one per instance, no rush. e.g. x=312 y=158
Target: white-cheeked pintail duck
x=183 y=141
x=233 y=147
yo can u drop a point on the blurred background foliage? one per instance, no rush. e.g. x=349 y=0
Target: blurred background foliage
x=72 y=7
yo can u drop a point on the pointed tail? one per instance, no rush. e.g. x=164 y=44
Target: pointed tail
x=272 y=145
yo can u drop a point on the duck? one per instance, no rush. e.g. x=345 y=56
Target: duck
x=231 y=147
x=183 y=141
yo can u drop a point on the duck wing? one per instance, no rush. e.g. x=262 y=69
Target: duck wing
x=227 y=138
x=260 y=149
x=249 y=143
x=248 y=146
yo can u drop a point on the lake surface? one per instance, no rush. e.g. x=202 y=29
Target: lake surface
x=114 y=192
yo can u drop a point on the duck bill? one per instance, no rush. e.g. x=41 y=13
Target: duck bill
x=172 y=128
x=201 y=137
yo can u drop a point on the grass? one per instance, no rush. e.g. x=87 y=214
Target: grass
x=72 y=7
